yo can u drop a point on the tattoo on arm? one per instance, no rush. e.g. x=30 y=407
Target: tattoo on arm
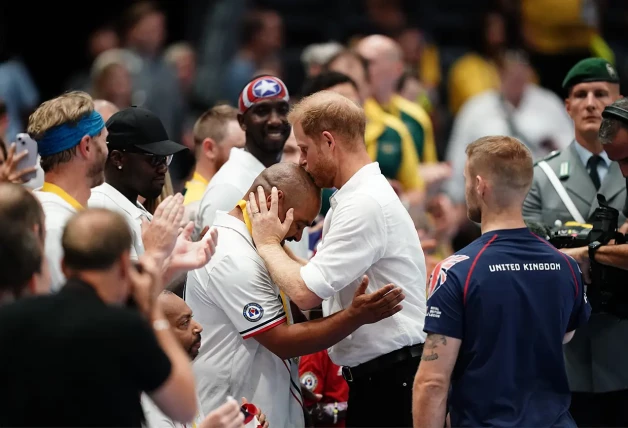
x=431 y=343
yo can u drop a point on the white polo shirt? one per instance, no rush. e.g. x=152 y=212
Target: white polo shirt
x=57 y=212
x=108 y=197
x=368 y=231
x=234 y=299
x=228 y=186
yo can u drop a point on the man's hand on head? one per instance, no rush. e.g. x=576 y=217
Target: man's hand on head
x=374 y=307
x=265 y=223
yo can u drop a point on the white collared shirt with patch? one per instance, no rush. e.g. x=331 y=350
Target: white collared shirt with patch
x=234 y=299
x=108 y=197
x=228 y=186
x=367 y=231
x=57 y=212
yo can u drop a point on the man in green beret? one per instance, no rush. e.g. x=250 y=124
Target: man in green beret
x=565 y=188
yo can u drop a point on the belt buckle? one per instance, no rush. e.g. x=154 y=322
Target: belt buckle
x=346 y=373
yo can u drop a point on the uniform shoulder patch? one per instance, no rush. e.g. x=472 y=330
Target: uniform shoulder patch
x=548 y=157
x=309 y=380
x=439 y=275
x=253 y=312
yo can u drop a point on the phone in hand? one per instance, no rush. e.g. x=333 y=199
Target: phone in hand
x=24 y=142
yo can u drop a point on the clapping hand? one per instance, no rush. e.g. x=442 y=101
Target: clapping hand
x=160 y=234
x=187 y=254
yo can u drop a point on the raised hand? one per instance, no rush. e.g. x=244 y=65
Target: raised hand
x=187 y=254
x=267 y=228
x=374 y=307
x=8 y=169
x=160 y=234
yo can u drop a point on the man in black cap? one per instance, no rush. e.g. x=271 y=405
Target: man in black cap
x=565 y=188
x=139 y=154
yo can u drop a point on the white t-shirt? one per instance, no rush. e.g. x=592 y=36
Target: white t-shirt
x=234 y=299
x=57 y=212
x=108 y=197
x=367 y=231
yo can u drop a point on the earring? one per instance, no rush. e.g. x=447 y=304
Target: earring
x=119 y=166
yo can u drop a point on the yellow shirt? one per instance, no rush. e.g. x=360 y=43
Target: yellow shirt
x=389 y=142
x=470 y=75
x=416 y=118
x=556 y=26
x=195 y=189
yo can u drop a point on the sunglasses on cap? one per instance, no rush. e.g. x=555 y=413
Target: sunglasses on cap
x=155 y=160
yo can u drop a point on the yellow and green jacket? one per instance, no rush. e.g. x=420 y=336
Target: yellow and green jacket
x=418 y=123
x=389 y=143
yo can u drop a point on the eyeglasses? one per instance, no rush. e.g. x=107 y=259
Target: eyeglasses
x=155 y=160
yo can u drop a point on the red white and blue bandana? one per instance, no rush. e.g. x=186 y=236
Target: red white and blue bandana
x=261 y=88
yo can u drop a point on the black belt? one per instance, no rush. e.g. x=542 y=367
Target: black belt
x=382 y=362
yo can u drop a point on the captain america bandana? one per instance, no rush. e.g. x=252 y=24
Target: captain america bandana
x=262 y=88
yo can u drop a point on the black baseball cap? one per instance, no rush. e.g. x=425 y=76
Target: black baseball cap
x=139 y=128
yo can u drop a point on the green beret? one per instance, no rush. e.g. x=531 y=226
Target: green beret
x=591 y=70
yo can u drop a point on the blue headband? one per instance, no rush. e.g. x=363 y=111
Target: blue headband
x=63 y=137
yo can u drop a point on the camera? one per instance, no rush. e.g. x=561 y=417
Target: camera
x=607 y=293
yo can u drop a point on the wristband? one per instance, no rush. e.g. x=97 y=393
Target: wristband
x=161 y=324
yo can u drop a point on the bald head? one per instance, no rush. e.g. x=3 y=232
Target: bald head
x=296 y=190
x=105 y=108
x=289 y=178
x=95 y=239
x=328 y=111
x=20 y=208
x=378 y=46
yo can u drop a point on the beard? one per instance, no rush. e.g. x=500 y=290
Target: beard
x=474 y=213
x=322 y=172
x=96 y=172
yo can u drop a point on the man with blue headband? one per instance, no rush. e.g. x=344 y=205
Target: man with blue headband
x=72 y=143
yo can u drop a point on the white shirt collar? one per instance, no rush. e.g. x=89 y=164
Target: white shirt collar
x=246 y=159
x=354 y=182
x=224 y=219
x=136 y=210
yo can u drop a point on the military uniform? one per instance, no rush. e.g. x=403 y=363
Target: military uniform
x=595 y=357
x=544 y=205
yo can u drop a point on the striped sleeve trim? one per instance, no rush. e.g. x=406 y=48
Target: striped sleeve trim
x=265 y=326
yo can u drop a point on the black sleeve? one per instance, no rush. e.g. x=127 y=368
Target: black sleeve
x=146 y=362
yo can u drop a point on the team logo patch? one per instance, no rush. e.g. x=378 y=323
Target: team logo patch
x=439 y=274
x=266 y=88
x=253 y=312
x=309 y=380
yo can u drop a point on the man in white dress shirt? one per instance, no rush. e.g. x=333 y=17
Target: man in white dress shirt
x=71 y=139
x=368 y=232
x=250 y=343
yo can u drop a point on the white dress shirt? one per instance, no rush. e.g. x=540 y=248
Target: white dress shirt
x=57 y=212
x=228 y=186
x=367 y=231
x=540 y=116
x=108 y=197
x=234 y=299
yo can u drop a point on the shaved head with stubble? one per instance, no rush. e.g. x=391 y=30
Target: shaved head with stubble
x=295 y=189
